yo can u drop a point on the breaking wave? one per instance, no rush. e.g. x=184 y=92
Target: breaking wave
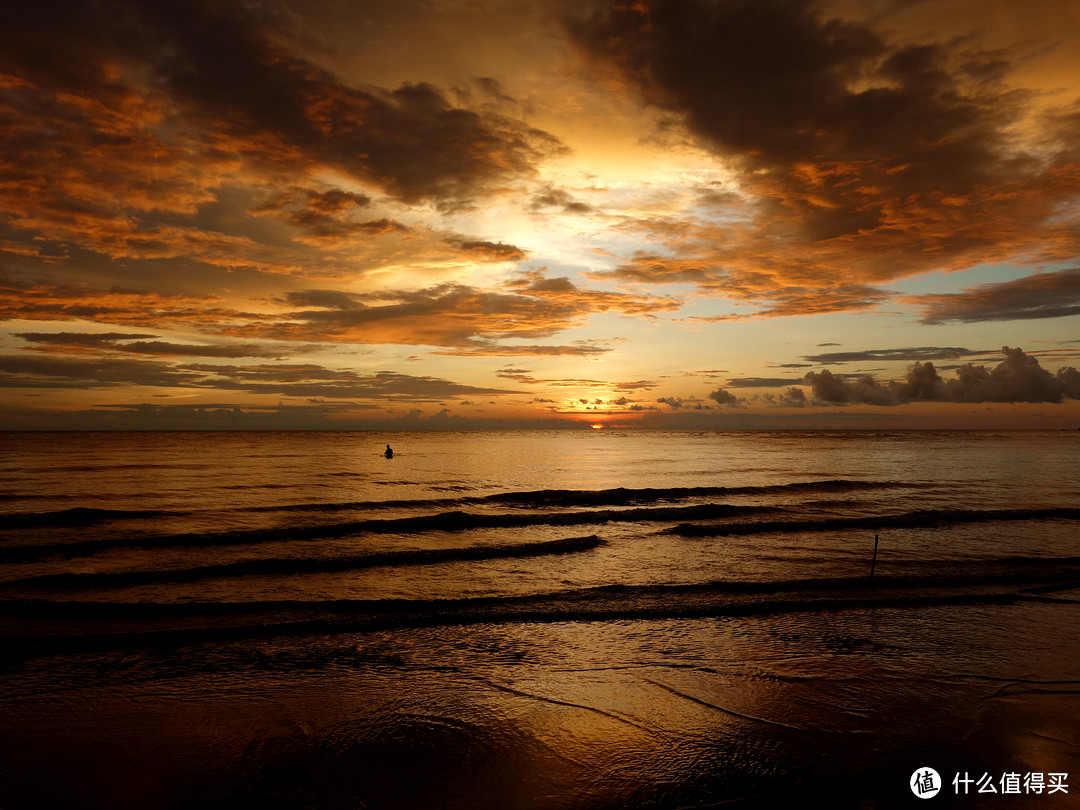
x=618 y=496
x=78 y=516
x=1001 y=581
x=272 y=566
x=442 y=521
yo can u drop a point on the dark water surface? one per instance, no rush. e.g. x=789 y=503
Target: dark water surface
x=536 y=620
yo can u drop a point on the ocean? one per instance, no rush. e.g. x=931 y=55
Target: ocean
x=556 y=619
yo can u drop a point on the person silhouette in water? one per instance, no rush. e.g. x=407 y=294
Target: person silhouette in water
x=389 y=453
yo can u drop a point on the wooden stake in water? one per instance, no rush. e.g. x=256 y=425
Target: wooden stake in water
x=874 y=563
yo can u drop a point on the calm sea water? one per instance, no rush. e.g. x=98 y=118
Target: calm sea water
x=552 y=619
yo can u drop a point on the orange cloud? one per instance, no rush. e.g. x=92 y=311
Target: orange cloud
x=458 y=316
x=58 y=302
x=137 y=141
x=453 y=315
x=139 y=344
x=302 y=380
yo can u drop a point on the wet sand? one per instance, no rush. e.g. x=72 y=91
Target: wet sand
x=836 y=705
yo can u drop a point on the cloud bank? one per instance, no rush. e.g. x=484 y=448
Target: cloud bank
x=1018 y=378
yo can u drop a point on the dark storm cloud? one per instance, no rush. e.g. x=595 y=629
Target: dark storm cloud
x=754 y=77
x=1043 y=295
x=1018 y=378
x=864 y=157
x=910 y=353
x=781 y=83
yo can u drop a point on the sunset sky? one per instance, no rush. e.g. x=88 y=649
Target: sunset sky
x=496 y=213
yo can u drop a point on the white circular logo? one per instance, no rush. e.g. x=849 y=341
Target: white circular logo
x=925 y=783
